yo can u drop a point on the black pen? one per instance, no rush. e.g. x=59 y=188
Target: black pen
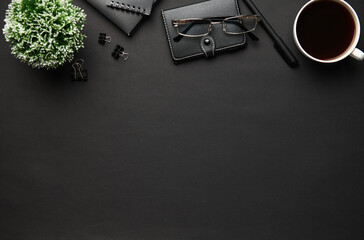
x=278 y=42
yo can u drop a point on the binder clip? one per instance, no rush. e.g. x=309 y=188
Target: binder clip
x=78 y=72
x=119 y=51
x=103 y=38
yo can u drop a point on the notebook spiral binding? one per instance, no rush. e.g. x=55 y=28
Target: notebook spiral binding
x=124 y=6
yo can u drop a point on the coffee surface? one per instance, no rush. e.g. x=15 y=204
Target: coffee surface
x=325 y=29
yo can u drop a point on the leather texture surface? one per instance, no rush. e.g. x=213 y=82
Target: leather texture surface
x=127 y=21
x=237 y=147
x=188 y=48
x=138 y=6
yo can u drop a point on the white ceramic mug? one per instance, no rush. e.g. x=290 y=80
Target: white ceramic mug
x=351 y=51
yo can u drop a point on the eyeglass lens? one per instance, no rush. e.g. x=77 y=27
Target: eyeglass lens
x=240 y=25
x=194 y=27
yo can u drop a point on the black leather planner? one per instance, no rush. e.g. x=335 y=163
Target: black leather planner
x=187 y=48
x=127 y=21
x=138 y=6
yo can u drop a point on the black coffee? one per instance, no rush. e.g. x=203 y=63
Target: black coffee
x=325 y=29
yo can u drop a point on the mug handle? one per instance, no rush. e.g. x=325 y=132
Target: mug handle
x=357 y=54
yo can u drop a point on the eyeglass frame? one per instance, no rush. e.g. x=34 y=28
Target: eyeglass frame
x=176 y=22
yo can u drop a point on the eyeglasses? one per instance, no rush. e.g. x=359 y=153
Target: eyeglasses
x=199 y=27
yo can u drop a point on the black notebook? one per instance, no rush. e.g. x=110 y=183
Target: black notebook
x=127 y=21
x=217 y=41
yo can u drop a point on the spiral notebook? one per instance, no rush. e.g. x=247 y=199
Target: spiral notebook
x=127 y=21
x=138 y=6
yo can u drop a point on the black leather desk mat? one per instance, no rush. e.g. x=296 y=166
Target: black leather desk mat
x=237 y=147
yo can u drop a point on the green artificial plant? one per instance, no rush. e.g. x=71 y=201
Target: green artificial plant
x=44 y=33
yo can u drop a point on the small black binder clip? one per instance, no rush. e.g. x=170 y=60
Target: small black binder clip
x=78 y=72
x=103 y=38
x=119 y=51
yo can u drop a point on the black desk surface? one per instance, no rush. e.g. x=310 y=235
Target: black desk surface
x=237 y=147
